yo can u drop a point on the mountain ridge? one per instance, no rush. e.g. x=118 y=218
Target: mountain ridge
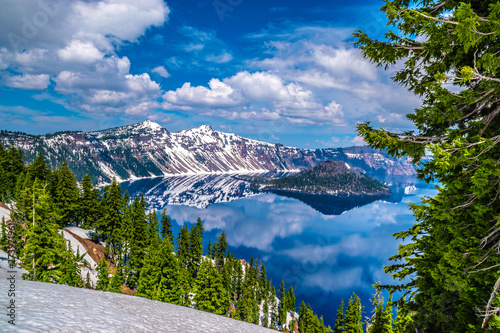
x=147 y=149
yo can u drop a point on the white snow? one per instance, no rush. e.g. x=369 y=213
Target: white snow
x=45 y=307
x=77 y=247
x=4 y=213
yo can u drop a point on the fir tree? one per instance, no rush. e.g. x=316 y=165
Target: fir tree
x=303 y=317
x=45 y=249
x=64 y=194
x=153 y=226
x=339 y=321
x=282 y=310
x=403 y=320
x=166 y=226
x=383 y=317
x=443 y=44
x=352 y=321
x=209 y=249
x=211 y=296
x=4 y=241
x=103 y=275
x=159 y=278
x=196 y=246
x=116 y=284
x=88 y=285
x=89 y=204
x=38 y=170
x=265 y=310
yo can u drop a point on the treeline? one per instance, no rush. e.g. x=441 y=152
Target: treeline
x=143 y=253
x=381 y=321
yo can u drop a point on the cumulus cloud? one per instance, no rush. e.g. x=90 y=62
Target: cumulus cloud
x=27 y=81
x=75 y=46
x=259 y=95
x=160 y=70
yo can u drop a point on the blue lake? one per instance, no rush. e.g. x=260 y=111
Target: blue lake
x=325 y=257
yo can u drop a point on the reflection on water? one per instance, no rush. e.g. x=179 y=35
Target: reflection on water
x=325 y=257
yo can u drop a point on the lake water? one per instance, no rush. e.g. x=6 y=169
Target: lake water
x=325 y=257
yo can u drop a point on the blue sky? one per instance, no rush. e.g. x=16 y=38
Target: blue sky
x=277 y=71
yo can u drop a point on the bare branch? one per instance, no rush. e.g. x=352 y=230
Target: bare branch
x=490 y=302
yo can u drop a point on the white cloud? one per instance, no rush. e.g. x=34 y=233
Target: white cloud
x=76 y=45
x=218 y=94
x=78 y=51
x=27 y=81
x=160 y=70
x=221 y=58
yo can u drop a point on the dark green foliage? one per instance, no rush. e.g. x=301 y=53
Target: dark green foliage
x=159 y=279
x=11 y=167
x=103 y=275
x=352 y=321
x=219 y=250
x=328 y=177
x=211 y=296
x=45 y=252
x=447 y=254
x=116 y=284
x=383 y=317
x=3 y=240
x=339 y=321
x=196 y=246
x=39 y=170
x=64 y=193
x=89 y=204
x=153 y=228
x=166 y=226
x=282 y=309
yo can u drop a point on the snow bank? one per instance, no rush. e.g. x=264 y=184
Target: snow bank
x=45 y=307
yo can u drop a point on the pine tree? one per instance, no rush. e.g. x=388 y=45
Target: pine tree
x=383 y=317
x=64 y=194
x=38 y=170
x=159 y=278
x=291 y=300
x=265 y=310
x=211 y=296
x=339 y=321
x=282 y=310
x=116 y=284
x=303 y=318
x=196 y=246
x=103 y=275
x=443 y=44
x=153 y=226
x=209 y=249
x=89 y=204
x=11 y=167
x=403 y=320
x=166 y=226
x=45 y=249
x=352 y=321
x=88 y=285
x=71 y=268
x=4 y=241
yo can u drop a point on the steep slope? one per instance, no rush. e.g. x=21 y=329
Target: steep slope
x=46 y=307
x=147 y=149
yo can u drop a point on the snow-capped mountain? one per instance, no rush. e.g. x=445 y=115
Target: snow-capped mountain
x=147 y=149
x=195 y=190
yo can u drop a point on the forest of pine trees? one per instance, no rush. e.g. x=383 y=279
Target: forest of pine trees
x=140 y=246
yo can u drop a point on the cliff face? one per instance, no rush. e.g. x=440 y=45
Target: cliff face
x=148 y=149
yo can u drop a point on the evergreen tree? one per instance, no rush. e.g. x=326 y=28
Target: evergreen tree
x=38 y=170
x=153 y=228
x=45 y=249
x=352 y=321
x=166 y=226
x=196 y=246
x=211 y=296
x=64 y=194
x=383 y=317
x=11 y=167
x=71 y=268
x=303 y=317
x=339 y=321
x=159 y=278
x=265 y=311
x=291 y=300
x=441 y=44
x=88 y=285
x=89 y=204
x=103 y=275
x=4 y=242
x=403 y=320
x=282 y=310
x=209 y=249
x=116 y=284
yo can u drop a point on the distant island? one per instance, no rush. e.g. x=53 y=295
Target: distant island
x=327 y=178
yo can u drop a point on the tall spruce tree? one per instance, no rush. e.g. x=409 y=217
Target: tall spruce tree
x=159 y=278
x=339 y=321
x=210 y=294
x=383 y=317
x=89 y=203
x=11 y=167
x=352 y=321
x=45 y=251
x=64 y=193
x=453 y=245
x=166 y=226
x=116 y=283
x=103 y=275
